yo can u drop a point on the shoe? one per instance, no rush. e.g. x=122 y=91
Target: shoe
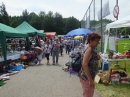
x=37 y=63
x=56 y=62
x=53 y=63
x=48 y=63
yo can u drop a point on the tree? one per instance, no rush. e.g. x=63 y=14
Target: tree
x=42 y=14
x=4 y=18
x=59 y=24
x=13 y=21
x=50 y=14
x=34 y=20
x=71 y=23
x=25 y=15
x=49 y=23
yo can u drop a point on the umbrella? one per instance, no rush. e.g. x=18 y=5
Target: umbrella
x=79 y=31
x=78 y=37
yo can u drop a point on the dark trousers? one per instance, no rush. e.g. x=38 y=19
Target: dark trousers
x=67 y=49
x=47 y=56
x=61 y=50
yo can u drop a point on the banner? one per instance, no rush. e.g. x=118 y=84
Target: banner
x=112 y=43
x=105 y=44
x=87 y=22
x=105 y=11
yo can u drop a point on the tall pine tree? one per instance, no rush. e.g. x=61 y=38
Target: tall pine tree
x=4 y=18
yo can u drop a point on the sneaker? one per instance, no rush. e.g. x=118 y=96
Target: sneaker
x=37 y=63
x=53 y=63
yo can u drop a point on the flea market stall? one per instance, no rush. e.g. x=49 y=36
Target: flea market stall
x=9 y=53
x=31 y=31
x=113 y=57
x=6 y=31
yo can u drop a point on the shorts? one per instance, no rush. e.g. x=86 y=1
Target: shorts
x=39 y=56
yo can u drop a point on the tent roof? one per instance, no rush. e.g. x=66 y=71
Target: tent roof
x=10 y=31
x=79 y=31
x=51 y=33
x=124 y=22
x=28 y=29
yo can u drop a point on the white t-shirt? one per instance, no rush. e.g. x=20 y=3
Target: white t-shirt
x=48 y=48
x=42 y=42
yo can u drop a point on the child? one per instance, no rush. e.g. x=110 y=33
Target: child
x=47 y=51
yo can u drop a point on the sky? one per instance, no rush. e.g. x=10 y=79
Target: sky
x=66 y=8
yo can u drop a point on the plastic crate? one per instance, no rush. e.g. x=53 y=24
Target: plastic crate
x=16 y=68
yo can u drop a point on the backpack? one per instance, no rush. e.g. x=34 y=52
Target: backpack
x=77 y=64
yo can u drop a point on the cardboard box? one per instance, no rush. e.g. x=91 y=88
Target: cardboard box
x=100 y=77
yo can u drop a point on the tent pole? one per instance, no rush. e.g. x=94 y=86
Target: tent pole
x=28 y=43
x=101 y=29
x=116 y=30
x=3 y=46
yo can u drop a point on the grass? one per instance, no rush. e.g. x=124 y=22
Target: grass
x=121 y=45
x=117 y=90
x=113 y=90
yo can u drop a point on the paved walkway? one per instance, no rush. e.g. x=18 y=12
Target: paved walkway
x=44 y=81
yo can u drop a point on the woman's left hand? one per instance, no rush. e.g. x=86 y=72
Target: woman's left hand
x=98 y=56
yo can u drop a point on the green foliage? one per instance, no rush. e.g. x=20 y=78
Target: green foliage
x=4 y=18
x=34 y=20
x=25 y=14
x=120 y=31
x=50 y=22
x=71 y=23
x=59 y=24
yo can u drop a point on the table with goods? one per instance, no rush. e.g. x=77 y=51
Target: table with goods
x=116 y=64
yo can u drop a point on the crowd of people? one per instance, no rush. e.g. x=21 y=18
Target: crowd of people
x=47 y=47
x=54 y=47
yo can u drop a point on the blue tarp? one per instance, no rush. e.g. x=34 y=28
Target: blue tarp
x=79 y=31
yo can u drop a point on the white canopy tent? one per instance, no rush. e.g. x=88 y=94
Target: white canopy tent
x=124 y=22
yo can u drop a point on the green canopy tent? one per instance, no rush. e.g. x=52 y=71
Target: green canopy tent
x=7 y=31
x=31 y=31
x=28 y=29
